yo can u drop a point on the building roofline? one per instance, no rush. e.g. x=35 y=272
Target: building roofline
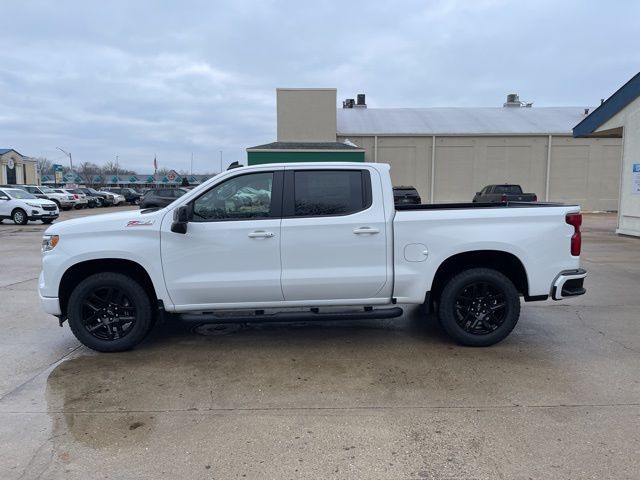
x=622 y=97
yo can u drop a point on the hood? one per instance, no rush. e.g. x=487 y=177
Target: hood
x=38 y=201
x=119 y=221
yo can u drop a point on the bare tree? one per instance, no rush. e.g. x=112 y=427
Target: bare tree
x=45 y=166
x=88 y=171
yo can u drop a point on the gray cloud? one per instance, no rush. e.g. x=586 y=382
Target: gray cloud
x=140 y=78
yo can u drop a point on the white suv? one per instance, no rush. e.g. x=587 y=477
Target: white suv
x=21 y=206
x=64 y=201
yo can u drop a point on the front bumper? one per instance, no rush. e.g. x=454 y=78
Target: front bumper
x=40 y=215
x=50 y=305
x=569 y=283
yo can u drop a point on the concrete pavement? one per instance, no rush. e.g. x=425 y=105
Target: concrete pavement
x=560 y=398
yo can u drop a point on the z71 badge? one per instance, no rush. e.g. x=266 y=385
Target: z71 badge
x=139 y=223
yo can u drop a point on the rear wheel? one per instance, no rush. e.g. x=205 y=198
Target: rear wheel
x=479 y=307
x=19 y=217
x=110 y=312
x=47 y=221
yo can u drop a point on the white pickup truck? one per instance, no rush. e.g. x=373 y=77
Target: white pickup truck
x=307 y=241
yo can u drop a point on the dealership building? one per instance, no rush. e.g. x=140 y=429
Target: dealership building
x=15 y=168
x=448 y=154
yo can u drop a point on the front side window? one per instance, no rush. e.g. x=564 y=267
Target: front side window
x=239 y=198
x=328 y=192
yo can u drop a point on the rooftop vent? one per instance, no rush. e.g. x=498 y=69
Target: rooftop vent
x=359 y=103
x=348 y=103
x=513 y=100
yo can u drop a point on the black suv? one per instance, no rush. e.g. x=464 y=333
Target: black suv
x=129 y=194
x=406 y=196
x=161 y=197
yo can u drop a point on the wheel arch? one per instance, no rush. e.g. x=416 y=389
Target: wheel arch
x=504 y=262
x=79 y=271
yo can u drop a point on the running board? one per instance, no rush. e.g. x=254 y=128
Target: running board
x=313 y=314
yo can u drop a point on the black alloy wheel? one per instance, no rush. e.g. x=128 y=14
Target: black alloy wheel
x=107 y=313
x=110 y=312
x=479 y=307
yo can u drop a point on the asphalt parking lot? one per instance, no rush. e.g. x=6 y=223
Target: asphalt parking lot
x=395 y=399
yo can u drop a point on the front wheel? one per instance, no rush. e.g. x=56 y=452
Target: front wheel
x=47 y=221
x=479 y=307
x=19 y=217
x=109 y=312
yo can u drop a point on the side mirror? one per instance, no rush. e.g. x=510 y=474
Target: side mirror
x=180 y=220
x=478 y=193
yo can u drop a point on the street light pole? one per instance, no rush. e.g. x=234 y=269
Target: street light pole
x=68 y=154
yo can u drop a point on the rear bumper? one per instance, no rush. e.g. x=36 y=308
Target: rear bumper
x=569 y=283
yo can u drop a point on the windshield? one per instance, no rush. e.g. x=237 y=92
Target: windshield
x=19 y=194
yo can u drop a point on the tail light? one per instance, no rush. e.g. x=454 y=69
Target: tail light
x=503 y=198
x=75 y=196
x=575 y=220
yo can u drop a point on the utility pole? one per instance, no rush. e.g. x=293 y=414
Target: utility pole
x=117 y=165
x=68 y=154
x=191 y=163
x=220 y=161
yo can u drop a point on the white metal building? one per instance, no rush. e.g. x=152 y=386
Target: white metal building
x=450 y=153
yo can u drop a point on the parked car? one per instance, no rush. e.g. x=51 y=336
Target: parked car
x=116 y=198
x=91 y=200
x=503 y=193
x=129 y=194
x=161 y=197
x=102 y=199
x=79 y=200
x=406 y=196
x=21 y=206
x=64 y=201
x=252 y=242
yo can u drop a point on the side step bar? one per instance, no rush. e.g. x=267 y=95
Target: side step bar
x=313 y=314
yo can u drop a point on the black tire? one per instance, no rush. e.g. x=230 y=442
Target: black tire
x=479 y=307
x=91 y=308
x=47 y=221
x=98 y=203
x=19 y=217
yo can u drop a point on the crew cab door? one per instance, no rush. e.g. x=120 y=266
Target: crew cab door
x=334 y=238
x=230 y=254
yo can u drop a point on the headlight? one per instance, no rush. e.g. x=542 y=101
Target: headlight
x=49 y=242
x=34 y=205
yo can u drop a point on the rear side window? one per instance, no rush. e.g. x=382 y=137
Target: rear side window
x=330 y=192
x=508 y=189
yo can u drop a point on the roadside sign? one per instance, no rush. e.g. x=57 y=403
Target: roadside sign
x=58 y=171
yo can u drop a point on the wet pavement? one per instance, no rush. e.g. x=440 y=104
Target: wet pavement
x=394 y=399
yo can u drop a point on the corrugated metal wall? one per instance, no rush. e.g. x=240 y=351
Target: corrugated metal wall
x=584 y=171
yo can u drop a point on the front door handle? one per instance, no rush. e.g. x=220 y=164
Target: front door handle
x=261 y=234
x=364 y=230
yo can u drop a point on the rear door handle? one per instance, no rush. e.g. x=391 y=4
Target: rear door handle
x=261 y=234
x=363 y=230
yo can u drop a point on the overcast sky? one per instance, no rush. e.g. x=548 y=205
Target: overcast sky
x=144 y=78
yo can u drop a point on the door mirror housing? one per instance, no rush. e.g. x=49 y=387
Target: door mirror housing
x=180 y=219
